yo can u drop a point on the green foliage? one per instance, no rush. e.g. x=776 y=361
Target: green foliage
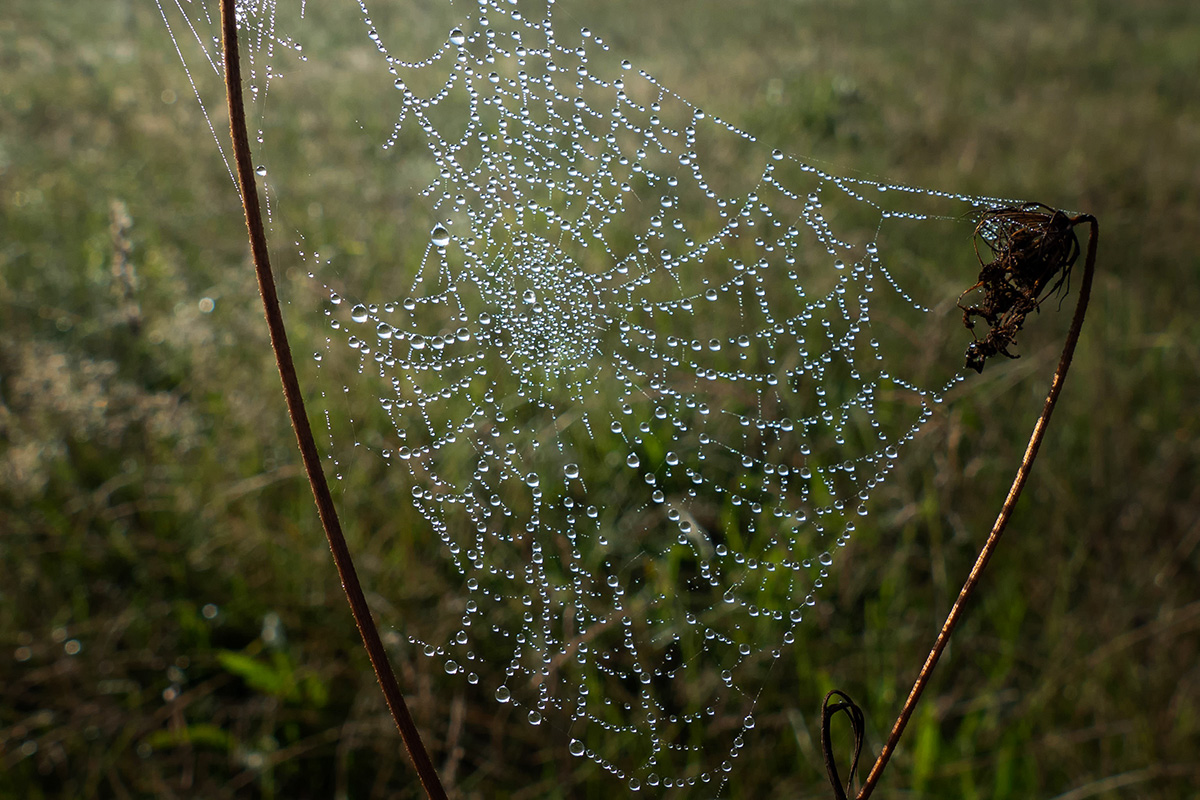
x=277 y=677
x=157 y=539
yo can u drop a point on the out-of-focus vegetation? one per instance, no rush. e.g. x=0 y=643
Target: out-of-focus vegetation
x=170 y=622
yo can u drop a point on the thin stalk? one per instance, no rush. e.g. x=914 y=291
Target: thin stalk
x=1010 y=502
x=295 y=403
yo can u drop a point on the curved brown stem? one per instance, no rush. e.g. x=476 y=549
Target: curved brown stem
x=295 y=404
x=1010 y=502
x=838 y=701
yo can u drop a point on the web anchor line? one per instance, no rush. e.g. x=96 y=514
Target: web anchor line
x=1010 y=502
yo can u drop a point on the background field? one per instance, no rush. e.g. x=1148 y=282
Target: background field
x=170 y=622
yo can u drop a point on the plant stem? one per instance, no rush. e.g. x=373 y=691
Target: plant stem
x=295 y=403
x=1010 y=502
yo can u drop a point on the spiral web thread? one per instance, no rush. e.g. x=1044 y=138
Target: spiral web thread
x=642 y=402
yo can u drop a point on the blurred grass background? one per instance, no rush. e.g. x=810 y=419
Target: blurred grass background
x=170 y=621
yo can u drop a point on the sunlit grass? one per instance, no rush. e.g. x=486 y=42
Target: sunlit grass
x=153 y=518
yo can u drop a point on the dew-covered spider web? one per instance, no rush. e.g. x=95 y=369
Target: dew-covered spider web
x=645 y=374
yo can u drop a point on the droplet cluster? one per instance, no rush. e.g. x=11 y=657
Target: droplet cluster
x=636 y=381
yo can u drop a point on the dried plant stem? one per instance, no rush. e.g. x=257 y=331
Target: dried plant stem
x=295 y=404
x=1010 y=502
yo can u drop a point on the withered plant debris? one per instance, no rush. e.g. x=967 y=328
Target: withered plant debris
x=1033 y=248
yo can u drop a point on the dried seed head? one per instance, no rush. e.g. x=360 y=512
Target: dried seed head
x=1033 y=248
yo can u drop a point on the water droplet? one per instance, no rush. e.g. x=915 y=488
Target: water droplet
x=503 y=695
x=359 y=313
x=633 y=460
x=535 y=718
x=571 y=470
x=777 y=155
x=457 y=38
x=576 y=747
x=439 y=235
x=260 y=171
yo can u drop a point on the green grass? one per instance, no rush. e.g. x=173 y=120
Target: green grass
x=152 y=513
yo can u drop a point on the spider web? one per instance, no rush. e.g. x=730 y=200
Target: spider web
x=644 y=373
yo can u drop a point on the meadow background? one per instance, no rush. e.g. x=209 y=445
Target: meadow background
x=170 y=621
